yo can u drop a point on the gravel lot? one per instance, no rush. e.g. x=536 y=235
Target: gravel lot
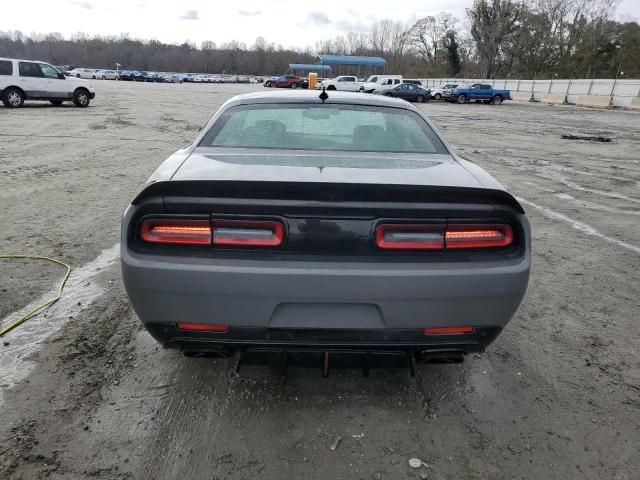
x=557 y=396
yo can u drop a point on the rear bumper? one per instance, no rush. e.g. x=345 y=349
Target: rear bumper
x=312 y=303
x=305 y=339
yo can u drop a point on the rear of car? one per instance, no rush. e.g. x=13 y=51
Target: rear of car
x=443 y=91
x=307 y=224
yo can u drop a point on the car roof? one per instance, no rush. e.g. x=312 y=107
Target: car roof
x=306 y=96
x=23 y=60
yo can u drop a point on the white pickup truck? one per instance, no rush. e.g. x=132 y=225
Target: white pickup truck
x=379 y=82
x=345 y=83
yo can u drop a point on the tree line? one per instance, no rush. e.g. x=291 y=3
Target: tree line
x=497 y=38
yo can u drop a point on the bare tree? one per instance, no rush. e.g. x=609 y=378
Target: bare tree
x=493 y=25
x=427 y=35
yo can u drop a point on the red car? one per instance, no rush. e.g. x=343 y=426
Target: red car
x=285 y=81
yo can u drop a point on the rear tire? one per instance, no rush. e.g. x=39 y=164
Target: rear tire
x=13 y=98
x=437 y=96
x=56 y=102
x=461 y=99
x=497 y=100
x=81 y=98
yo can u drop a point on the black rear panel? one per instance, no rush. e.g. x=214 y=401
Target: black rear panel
x=323 y=221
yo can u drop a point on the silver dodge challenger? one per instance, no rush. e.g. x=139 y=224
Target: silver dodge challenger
x=340 y=222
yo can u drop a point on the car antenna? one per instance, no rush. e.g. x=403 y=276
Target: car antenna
x=323 y=95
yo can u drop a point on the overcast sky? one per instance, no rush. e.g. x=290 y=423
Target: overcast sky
x=286 y=22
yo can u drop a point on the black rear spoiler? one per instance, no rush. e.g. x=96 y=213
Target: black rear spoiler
x=327 y=192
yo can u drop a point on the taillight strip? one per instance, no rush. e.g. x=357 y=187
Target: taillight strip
x=172 y=231
x=255 y=233
x=203 y=327
x=447 y=330
x=410 y=236
x=477 y=236
x=442 y=237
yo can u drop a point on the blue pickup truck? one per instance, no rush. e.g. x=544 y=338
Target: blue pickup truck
x=479 y=92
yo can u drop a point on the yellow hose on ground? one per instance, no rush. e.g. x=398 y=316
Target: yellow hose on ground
x=31 y=313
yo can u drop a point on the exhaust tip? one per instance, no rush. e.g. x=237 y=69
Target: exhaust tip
x=429 y=357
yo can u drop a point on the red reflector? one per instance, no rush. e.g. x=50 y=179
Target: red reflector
x=203 y=327
x=447 y=330
x=410 y=237
x=478 y=236
x=196 y=232
x=247 y=233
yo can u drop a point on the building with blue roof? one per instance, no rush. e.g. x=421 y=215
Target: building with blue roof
x=351 y=60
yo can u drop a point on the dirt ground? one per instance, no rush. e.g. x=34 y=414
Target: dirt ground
x=557 y=396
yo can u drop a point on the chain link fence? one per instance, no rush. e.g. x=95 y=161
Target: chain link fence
x=621 y=91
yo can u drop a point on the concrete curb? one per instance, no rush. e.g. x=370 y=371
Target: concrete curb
x=635 y=103
x=595 y=101
x=522 y=96
x=554 y=98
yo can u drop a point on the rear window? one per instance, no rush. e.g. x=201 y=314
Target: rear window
x=30 y=69
x=6 y=67
x=323 y=127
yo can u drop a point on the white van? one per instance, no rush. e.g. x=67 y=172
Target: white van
x=22 y=80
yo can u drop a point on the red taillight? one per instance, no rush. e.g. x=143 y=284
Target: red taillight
x=442 y=237
x=203 y=327
x=247 y=233
x=478 y=236
x=447 y=330
x=410 y=237
x=195 y=232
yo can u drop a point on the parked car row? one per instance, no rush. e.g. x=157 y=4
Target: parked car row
x=388 y=85
x=81 y=94
x=156 y=77
x=221 y=78
x=412 y=89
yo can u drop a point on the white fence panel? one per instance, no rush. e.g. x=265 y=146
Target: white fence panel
x=622 y=91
